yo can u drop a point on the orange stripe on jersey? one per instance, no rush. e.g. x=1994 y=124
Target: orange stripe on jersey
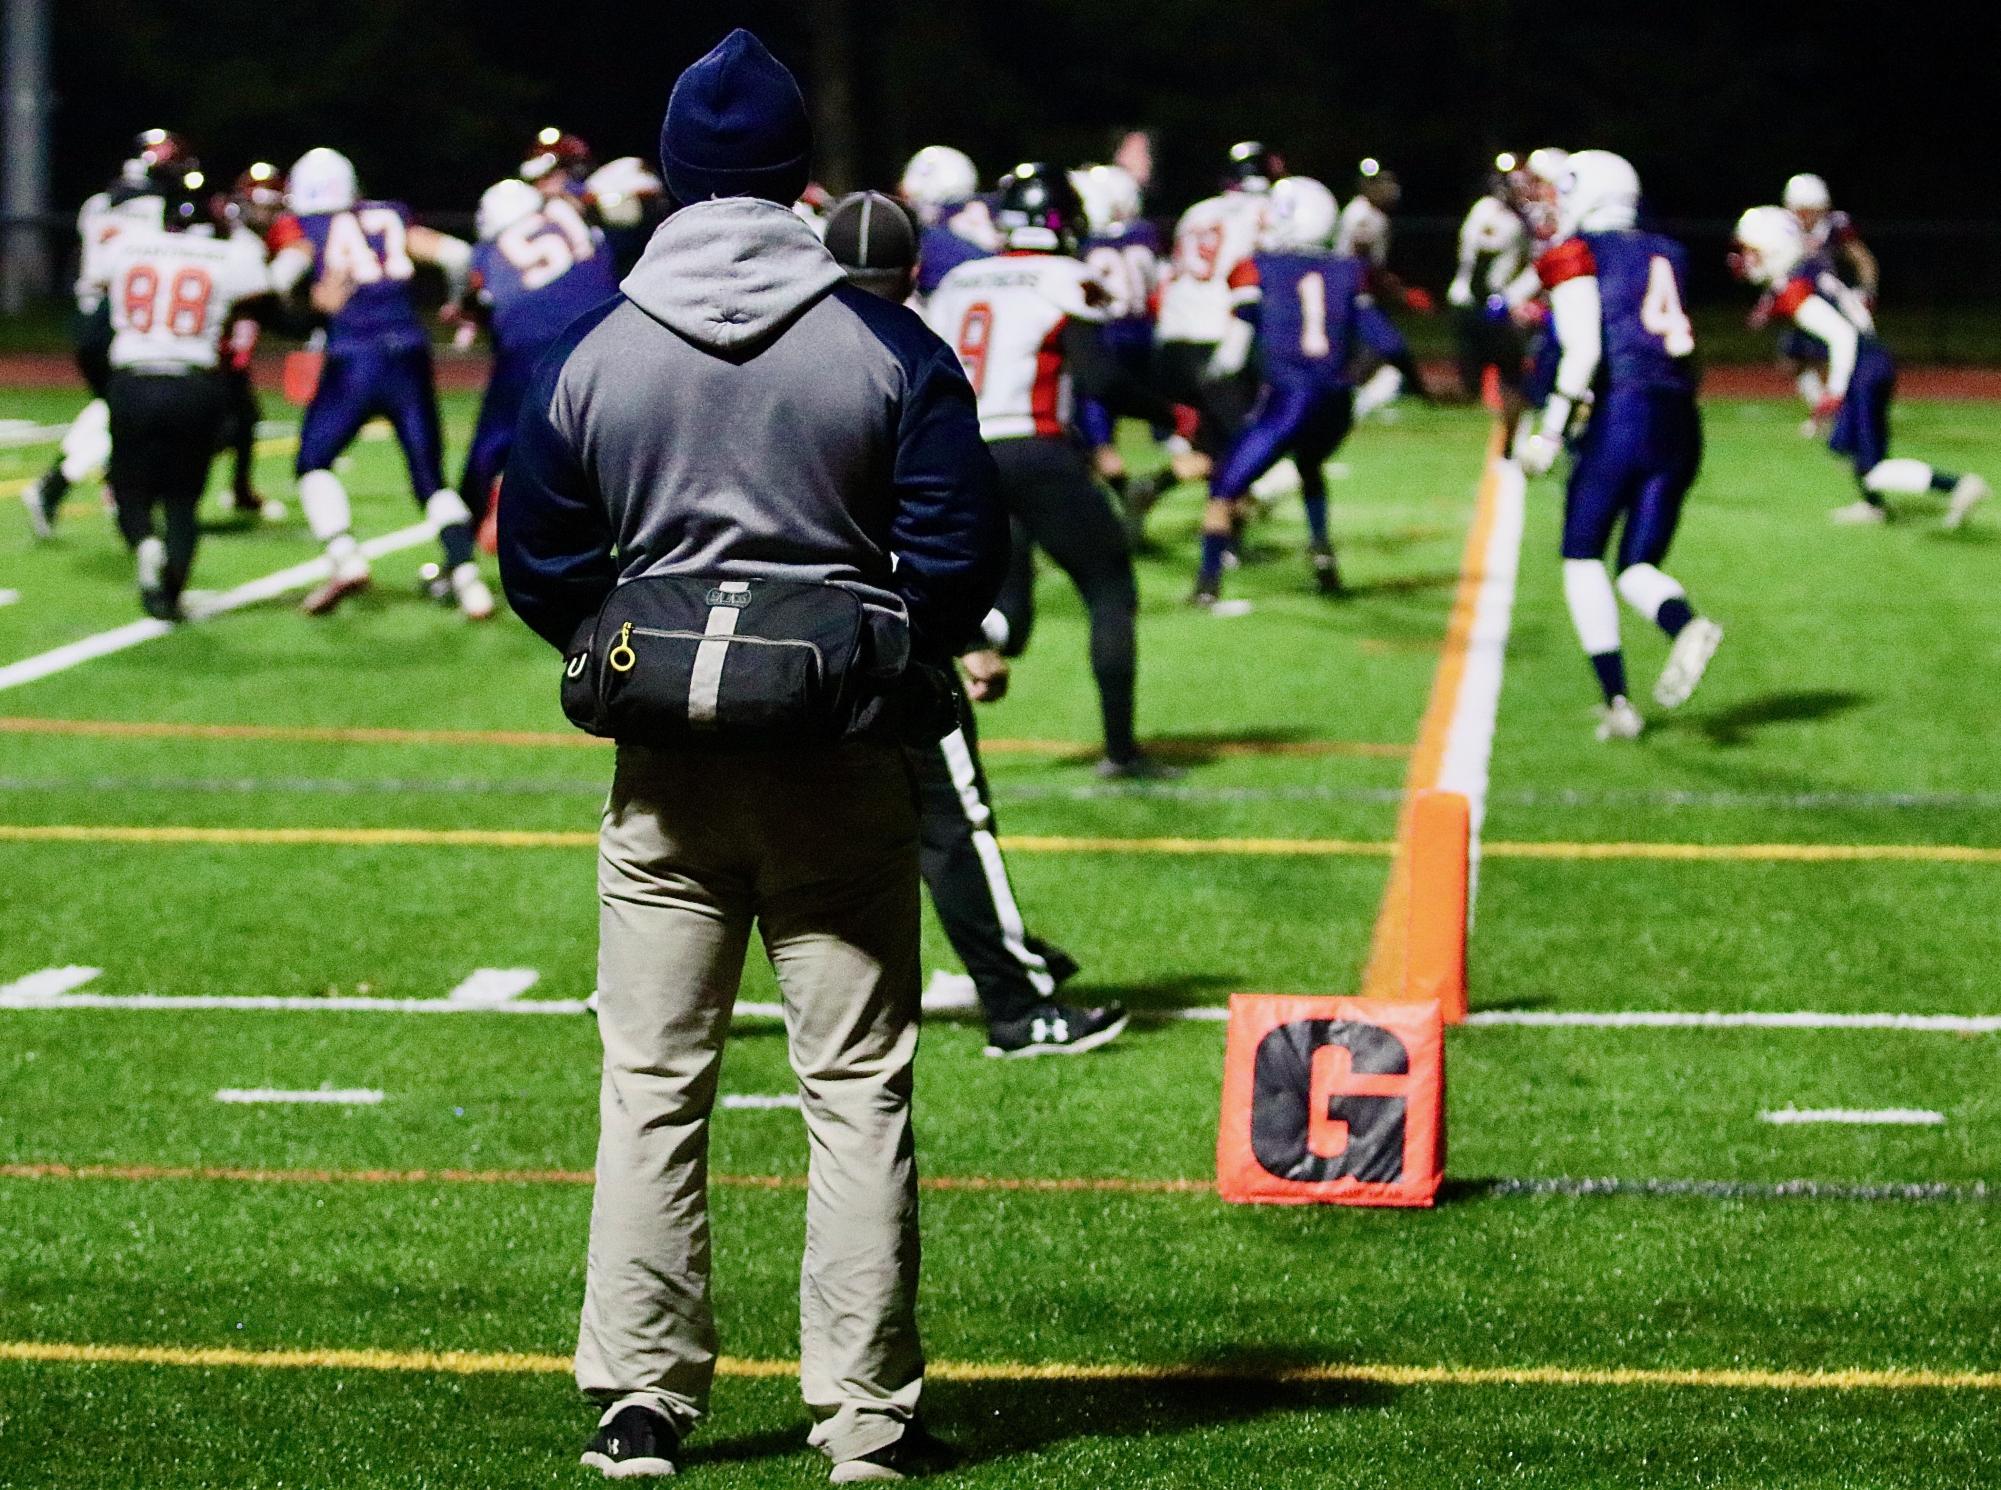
x=1244 y=276
x=1570 y=259
x=285 y=232
x=1044 y=399
x=1796 y=293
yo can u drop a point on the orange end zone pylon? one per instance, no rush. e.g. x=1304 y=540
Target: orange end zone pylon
x=1435 y=941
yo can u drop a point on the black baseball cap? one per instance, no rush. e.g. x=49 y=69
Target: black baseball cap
x=873 y=236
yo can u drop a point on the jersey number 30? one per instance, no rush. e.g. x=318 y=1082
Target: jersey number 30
x=1661 y=312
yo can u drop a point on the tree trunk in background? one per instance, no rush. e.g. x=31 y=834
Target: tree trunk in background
x=24 y=94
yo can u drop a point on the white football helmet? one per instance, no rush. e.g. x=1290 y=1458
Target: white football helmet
x=937 y=176
x=1597 y=192
x=321 y=181
x=1299 y=213
x=1110 y=196
x=1547 y=164
x=504 y=204
x=1769 y=245
x=1806 y=192
x=620 y=188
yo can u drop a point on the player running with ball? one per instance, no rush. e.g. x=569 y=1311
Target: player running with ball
x=1628 y=367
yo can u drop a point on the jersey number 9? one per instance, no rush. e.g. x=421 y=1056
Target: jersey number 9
x=976 y=334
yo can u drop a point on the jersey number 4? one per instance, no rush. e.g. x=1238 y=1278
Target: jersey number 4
x=1661 y=312
x=184 y=309
x=350 y=253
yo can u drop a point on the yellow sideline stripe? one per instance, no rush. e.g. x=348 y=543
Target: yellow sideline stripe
x=146 y=729
x=1383 y=974
x=474 y=1363
x=1336 y=848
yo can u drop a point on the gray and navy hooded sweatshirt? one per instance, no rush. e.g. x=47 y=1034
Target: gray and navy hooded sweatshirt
x=740 y=411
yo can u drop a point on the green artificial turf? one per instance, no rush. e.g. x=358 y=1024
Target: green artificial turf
x=1850 y=705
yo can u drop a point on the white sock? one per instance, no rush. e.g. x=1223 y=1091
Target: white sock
x=325 y=503
x=87 y=443
x=1812 y=387
x=995 y=629
x=1594 y=609
x=1646 y=589
x=150 y=559
x=1899 y=476
x=446 y=508
x=1278 y=481
x=1381 y=389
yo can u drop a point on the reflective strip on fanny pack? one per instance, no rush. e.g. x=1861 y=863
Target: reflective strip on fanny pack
x=706 y=681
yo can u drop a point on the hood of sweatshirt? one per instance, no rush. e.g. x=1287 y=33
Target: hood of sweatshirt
x=731 y=273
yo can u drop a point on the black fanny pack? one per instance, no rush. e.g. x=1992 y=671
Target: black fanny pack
x=676 y=660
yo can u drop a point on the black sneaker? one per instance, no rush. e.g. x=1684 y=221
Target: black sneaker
x=1055 y=1029
x=1205 y=597
x=1326 y=573
x=636 y=1444
x=917 y=1453
x=161 y=606
x=1137 y=767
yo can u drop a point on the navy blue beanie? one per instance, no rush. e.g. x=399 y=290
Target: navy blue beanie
x=736 y=126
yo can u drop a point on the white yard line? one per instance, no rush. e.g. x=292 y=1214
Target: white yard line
x=16 y=999
x=132 y=634
x=50 y=982
x=1469 y=740
x=759 y=1101
x=258 y=1096
x=494 y=985
x=23 y=434
x=10 y=597
x=1954 y=1024
x=1866 y=1117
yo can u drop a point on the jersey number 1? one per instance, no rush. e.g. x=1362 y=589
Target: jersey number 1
x=1661 y=312
x=1313 y=315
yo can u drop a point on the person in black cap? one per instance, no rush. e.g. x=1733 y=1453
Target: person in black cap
x=739 y=415
x=876 y=239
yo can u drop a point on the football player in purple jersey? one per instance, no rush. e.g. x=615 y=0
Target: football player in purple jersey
x=1628 y=369
x=941 y=185
x=538 y=265
x=1304 y=301
x=1811 y=299
x=358 y=258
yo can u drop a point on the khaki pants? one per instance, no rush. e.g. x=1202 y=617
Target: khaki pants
x=820 y=850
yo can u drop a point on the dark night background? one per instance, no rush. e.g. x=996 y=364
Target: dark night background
x=1715 y=102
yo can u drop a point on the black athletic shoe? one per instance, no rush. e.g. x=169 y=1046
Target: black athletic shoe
x=1055 y=1029
x=44 y=499
x=1326 y=572
x=158 y=605
x=636 y=1444
x=1137 y=767
x=1205 y=597
x=917 y=1453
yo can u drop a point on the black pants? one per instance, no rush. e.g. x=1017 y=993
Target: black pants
x=967 y=878
x=1486 y=340
x=238 y=434
x=1223 y=403
x=1059 y=508
x=163 y=435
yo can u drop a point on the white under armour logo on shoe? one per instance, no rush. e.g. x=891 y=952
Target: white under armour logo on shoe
x=1047 y=1030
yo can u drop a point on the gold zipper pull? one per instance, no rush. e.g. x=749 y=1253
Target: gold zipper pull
x=622 y=657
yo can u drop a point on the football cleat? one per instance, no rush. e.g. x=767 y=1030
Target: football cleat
x=1055 y=1029
x=1687 y=660
x=1859 y=514
x=1204 y=598
x=43 y=498
x=1137 y=767
x=637 y=1443
x=1619 y=720
x=474 y=598
x=1967 y=493
x=1326 y=569
x=350 y=577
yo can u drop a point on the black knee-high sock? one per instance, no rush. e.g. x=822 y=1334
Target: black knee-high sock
x=183 y=533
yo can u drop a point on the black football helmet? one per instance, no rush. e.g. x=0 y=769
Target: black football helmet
x=1039 y=209
x=558 y=150
x=1252 y=167
x=185 y=197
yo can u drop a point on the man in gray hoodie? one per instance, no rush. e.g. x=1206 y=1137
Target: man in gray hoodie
x=741 y=413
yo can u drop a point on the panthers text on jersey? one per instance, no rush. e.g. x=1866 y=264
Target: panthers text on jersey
x=1005 y=318
x=1211 y=240
x=1305 y=305
x=172 y=293
x=540 y=274
x=1642 y=289
x=366 y=244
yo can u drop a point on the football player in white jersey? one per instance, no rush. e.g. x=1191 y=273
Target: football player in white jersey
x=172 y=290
x=1027 y=327
x=1364 y=233
x=1493 y=249
x=134 y=197
x=1201 y=355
